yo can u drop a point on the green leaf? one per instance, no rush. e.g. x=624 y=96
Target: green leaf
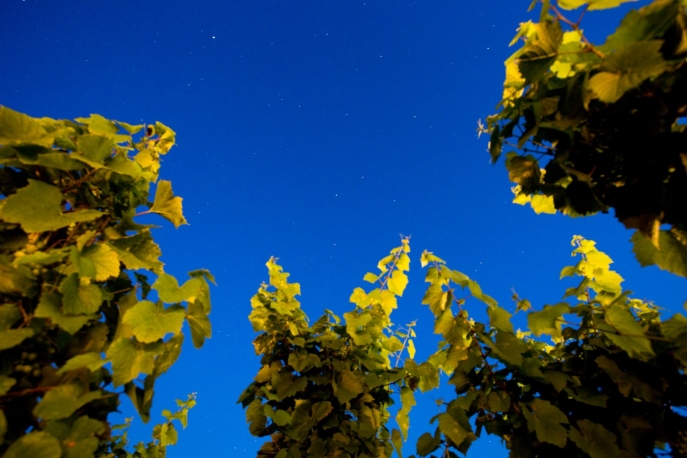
x=168 y=435
x=10 y=314
x=547 y=421
x=348 y=386
x=436 y=298
x=397 y=441
x=169 y=291
x=444 y=323
x=626 y=69
x=37 y=208
x=671 y=255
x=50 y=307
x=79 y=298
x=63 y=400
x=500 y=319
x=99 y=125
x=507 y=347
x=17 y=128
x=169 y=355
x=6 y=383
x=13 y=337
x=3 y=425
x=626 y=332
x=96 y=148
x=167 y=205
x=104 y=259
x=595 y=440
x=540 y=51
x=34 y=444
x=452 y=429
x=397 y=283
x=543 y=204
x=92 y=361
x=130 y=358
x=593 y=4
x=402 y=417
x=41 y=258
x=675 y=326
x=370 y=277
x=142 y=398
x=287 y=385
x=150 y=322
x=132 y=129
x=499 y=401
x=256 y=418
x=548 y=320
x=200 y=325
x=411 y=349
x=320 y=410
x=427 y=443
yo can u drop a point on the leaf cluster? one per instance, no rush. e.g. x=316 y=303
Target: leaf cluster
x=597 y=375
x=324 y=389
x=589 y=127
x=80 y=321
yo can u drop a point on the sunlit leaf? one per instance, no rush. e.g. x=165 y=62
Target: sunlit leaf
x=37 y=208
x=167 y=205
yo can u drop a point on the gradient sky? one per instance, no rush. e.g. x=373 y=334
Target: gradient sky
x=316 y=131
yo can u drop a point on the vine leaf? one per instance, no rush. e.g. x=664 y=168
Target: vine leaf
x=671 y=255
x=547 y=321
x=168 y=205
x=150 y=322
x=199 y=323
x=36 y=443
x=130 y=358
x=452 y=428
x=37 y=208
x=593 y=4
x=91 y=360
x=348 y=386
x=169 y=291
x=547 y=421
x=427 y=443
x=626 y=332
x=595 y=440
x=407 y=403
x=105 y=261
x=79 y=298
x=49 y=306
x=63 y=400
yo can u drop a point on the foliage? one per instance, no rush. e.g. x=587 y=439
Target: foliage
x=79 y=324
x=605 y=120
x=324 y=390
x=603 y=378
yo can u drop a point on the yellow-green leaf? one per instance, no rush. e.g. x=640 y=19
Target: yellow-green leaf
x=150 y=322
x=63 y=400
x=168 y=205
x=546 y=420
x=37 y=208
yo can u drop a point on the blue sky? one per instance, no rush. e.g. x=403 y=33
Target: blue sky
x=315 y=131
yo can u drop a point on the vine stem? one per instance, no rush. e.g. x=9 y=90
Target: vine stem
x=576 y=27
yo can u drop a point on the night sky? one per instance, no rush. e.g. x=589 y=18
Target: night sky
x=315 y=131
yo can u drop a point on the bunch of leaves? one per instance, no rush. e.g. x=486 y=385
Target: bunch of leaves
x=325 y=389
x=596 y=375
x=603 y=120
x=79 y=324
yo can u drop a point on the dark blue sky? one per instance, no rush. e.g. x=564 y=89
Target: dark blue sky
x=315 y=131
